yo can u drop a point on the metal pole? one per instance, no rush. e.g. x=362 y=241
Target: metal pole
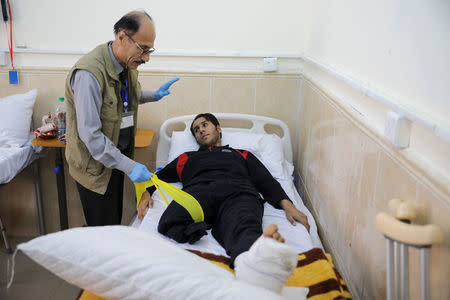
x=5 y=238
x=389 y=270
x=396 y=270
x=424 y=264
x=404 y=271
x=59 y=162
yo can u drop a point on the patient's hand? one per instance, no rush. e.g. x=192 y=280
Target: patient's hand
x=293 y=214
x=146 y=201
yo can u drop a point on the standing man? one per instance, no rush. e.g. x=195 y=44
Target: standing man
x=103 y=94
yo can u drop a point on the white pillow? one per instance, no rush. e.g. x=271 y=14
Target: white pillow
x=15 y=119
x=181 y=142
x=121 y=262
x=266 y=147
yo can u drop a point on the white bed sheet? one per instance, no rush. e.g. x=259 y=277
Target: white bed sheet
x=296 y=236
x=14 y=160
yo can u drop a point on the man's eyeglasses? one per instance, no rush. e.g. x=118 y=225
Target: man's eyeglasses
x=143 y=52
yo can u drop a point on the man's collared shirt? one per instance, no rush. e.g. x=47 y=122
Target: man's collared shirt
x=88 y=102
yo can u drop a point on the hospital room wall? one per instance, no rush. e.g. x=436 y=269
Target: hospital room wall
x=347 y=174
x=216 y=47
x=274 y=95
x=347 y=169
x=183 y=28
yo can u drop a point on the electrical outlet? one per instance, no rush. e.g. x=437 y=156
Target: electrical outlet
x=3 y=58
x=270 y=64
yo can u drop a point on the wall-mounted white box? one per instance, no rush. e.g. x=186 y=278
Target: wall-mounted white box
x=397 y=129
x=270 y=64
x=2 y=58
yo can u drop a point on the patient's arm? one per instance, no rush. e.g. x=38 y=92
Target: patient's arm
x=293 y=214
x=268 y=186
x=146 y=201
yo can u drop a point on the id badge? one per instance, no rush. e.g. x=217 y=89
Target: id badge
x=127 y=120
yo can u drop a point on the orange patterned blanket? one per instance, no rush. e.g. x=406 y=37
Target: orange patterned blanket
x=315 y=270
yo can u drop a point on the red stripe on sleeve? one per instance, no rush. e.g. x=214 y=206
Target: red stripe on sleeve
x=182 y=159
x=244 y=154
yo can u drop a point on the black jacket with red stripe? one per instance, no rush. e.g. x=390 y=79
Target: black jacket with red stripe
x=239 y=168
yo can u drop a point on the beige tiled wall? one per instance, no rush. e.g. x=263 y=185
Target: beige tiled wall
x=349 y=177
x=269 y=95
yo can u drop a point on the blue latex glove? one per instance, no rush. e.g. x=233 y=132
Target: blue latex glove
x=140 y=173
x=164 y=89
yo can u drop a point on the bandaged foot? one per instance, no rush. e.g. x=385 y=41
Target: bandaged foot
x=268 y=263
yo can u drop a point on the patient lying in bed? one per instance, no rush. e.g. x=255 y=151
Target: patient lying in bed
x=227 y=183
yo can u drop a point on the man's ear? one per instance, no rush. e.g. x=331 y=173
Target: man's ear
x=219 y=130
x=121 y=36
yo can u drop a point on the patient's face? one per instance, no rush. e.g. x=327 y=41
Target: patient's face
x=206 y=133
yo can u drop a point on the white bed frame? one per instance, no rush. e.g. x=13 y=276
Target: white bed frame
x=258 y=126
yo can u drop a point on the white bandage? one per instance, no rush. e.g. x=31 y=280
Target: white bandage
x=268 y=264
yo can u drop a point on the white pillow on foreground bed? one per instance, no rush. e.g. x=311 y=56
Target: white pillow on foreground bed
x=266 y=147
x=120 y=262
x=15 y=119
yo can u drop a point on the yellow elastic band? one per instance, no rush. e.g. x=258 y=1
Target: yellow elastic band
x=181 y=197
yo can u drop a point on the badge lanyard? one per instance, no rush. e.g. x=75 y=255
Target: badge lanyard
x=124 y=95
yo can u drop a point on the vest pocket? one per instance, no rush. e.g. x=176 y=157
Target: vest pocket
x=94 y=167
x=77 y=155
x=110 y=110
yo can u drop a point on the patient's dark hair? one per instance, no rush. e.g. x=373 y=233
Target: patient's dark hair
x=130 y=22
x=208 y=117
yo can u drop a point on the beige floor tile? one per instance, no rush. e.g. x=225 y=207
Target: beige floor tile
x=375 y=281
x=311 y=155
x=234 y=95
x=393 y=182
x=50 y=88
x=151 y=115
x=7 y=89
x=191 y=95
x=18 y=205
x=432 y=210
x=305 y=128
x=304 y=121
x=278 y=98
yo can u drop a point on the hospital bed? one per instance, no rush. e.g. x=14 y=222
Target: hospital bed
x=12 y=161
x=16 y=151
x=275 y=153
x=136 y=262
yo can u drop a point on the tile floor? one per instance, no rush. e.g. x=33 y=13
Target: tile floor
x=31 y=281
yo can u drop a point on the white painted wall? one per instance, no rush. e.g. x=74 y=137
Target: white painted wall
x=198 y=25
x=398 y=48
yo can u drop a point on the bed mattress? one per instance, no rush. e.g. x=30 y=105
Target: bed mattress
x=296 y=236
x=14 y=160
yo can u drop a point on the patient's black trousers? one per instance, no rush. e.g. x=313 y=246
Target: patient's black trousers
x=235 y=218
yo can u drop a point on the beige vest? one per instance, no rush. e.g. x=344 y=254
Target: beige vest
x=87 y=171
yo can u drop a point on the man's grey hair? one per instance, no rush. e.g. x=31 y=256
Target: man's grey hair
x=131 y=22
